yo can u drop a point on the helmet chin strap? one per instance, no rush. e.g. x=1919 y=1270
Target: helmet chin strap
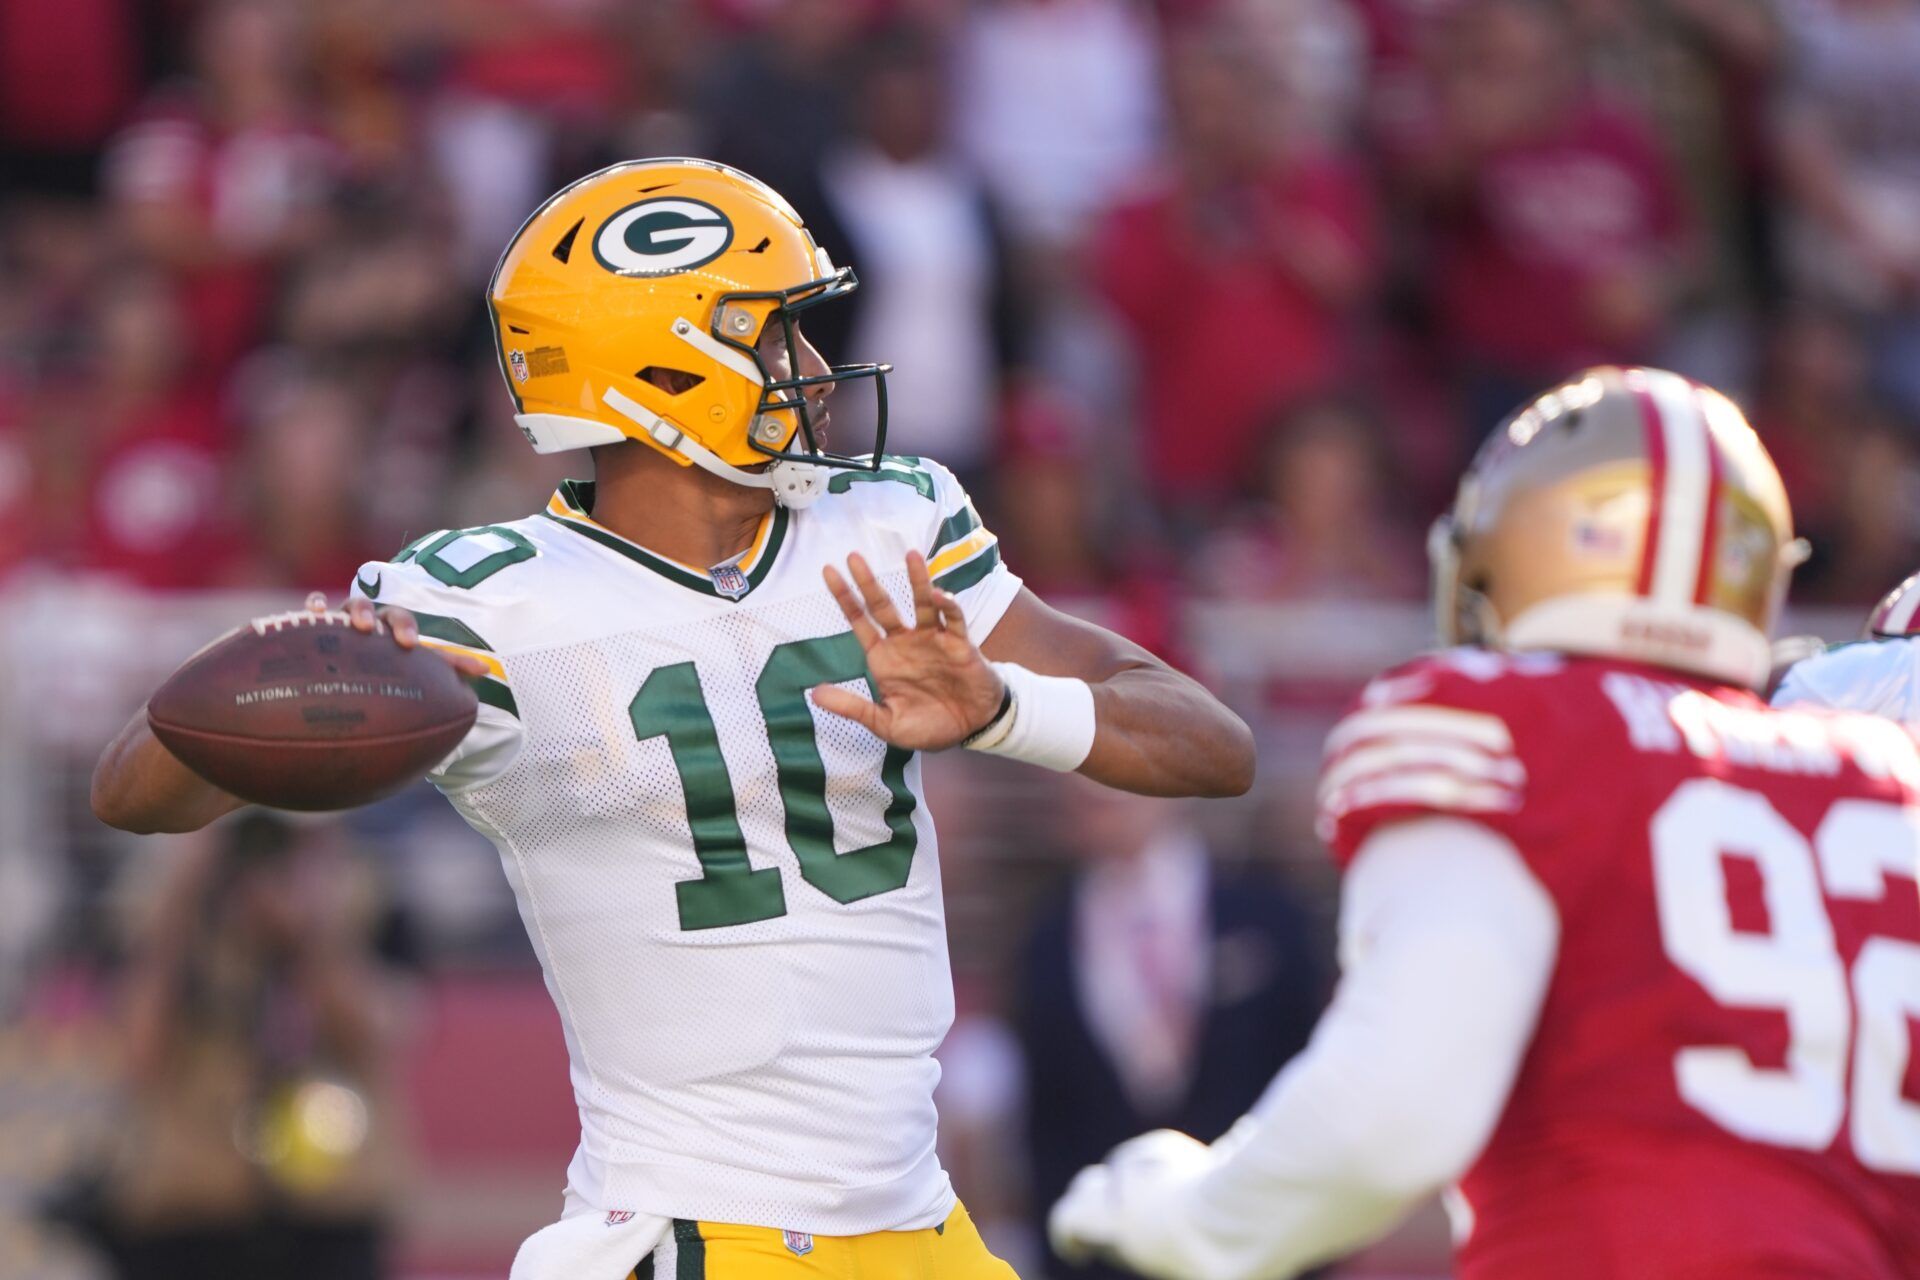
x=794 y=484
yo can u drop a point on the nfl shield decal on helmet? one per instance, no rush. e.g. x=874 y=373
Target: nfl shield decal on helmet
x=518 y=359
x=729 y=581
x=799 y=1242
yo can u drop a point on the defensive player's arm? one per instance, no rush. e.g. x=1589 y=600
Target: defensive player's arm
x=1156 y=731
x=140 y=786
x=1449 y=943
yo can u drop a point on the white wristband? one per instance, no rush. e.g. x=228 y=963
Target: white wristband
x=1049 y=722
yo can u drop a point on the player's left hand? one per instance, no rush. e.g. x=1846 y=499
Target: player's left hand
x=1131 y=1208
x=935 y=688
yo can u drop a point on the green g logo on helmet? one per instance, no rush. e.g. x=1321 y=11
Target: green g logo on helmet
x=662 y=237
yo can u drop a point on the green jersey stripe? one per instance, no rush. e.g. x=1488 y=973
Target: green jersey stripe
x=962 y=576
x=576 y=495
x=496 y=694
x=666 y=569
x=439 y=627
x=953 y=528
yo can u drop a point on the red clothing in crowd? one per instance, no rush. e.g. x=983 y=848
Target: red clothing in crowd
x=1225 y=332
x=155 y=509
x=68 y=71
x=1544 y=223
x=248 y=187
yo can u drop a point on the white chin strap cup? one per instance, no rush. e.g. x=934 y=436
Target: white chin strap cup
x=794 y=484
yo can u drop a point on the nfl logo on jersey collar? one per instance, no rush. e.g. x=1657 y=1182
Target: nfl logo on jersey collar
x=799 y=1242
x=729 y=581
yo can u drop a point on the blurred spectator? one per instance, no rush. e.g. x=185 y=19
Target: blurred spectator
x=1057 y=102
x=68 y=74
x=936 y=295
x=774 y=102
x=306 y=443
x=260 y=1139
x=1559 y=237
x=1701 y=71
x=527 y=85
x=226 y=174
x=1852 y=479
x=1849 y=122
x=132 y=450
x=1165 y=991
x=1066 y=532
x=1322 y=528
x=1317 y=51
x=1240 y=276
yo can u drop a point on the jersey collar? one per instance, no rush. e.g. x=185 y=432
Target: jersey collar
x=573 y=500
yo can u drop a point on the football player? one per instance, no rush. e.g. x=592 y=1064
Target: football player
x=1880 y=672
x=706 y=678
x=1632 y=960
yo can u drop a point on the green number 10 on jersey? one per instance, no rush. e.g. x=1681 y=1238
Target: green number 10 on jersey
x=729 y=891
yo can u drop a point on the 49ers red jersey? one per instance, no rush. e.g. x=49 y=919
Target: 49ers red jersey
x=1722 y=1082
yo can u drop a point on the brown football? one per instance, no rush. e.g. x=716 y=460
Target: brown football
x=301 y=711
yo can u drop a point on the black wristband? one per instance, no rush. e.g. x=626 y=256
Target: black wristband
x=1006 y=706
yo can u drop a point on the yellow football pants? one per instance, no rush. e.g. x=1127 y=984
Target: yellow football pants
x=719 y=1251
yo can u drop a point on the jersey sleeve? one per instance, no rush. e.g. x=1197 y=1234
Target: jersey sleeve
x=1436 y=738
x=963 y=556
x=1881 y=677
x=453 y=620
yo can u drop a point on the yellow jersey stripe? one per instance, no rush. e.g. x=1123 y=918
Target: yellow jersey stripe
x=485 y=659
x=961 y=552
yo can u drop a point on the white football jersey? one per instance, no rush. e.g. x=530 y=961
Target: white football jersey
x=1880 y=676
x=735 y=897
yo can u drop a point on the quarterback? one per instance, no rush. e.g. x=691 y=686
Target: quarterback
x=1880 y=672
x=1631 y=959
x=705 y=678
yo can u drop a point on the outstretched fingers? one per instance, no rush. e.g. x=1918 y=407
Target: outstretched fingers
x=856 y=613
x=952 y=617
x=878 y=602
x=925 y=612
x=862 y=711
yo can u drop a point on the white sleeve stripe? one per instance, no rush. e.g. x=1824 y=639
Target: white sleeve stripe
x=1425 y=788
x=1474 y=728
x=1503 y=770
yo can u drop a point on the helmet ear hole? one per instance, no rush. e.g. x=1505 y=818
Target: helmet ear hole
x=675 y=382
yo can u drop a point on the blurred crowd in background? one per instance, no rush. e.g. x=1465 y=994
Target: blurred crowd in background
x=1206 y=300
x=1205 y=296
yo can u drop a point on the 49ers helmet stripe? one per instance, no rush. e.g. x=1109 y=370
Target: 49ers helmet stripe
x=1893 y=618
x=1710 y=535
x=1683 y=480
x=1657 y=486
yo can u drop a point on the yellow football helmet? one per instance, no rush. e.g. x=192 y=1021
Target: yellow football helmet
x=672 y=267
x=1629 y=513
